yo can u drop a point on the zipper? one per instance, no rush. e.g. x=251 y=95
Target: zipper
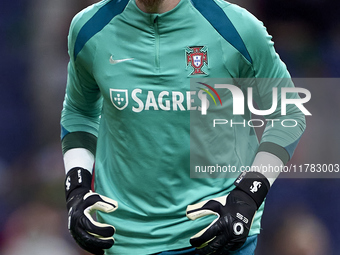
x=157 y=39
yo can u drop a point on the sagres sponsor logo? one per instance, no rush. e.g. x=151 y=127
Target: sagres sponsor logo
x=203 y=95
x=119 y=98
x=146 y=100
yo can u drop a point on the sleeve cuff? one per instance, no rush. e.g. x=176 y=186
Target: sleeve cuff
x=275 y=149
x=79 y=140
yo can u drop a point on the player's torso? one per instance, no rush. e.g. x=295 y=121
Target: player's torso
x=144 y=62
x=143 y=65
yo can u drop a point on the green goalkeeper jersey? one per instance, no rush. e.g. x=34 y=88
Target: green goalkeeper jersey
x=130 y=85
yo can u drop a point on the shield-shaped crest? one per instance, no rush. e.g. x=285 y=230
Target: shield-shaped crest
x=119 y=98
x=197 y=58
x=197 y=61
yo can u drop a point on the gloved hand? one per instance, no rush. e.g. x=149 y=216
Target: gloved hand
x=235 y=212
x=92 y=236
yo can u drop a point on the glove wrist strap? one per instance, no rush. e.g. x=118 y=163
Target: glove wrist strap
x=255 y=184
x=77 y=178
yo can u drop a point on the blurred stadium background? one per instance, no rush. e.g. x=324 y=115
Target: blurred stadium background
x=302 y=216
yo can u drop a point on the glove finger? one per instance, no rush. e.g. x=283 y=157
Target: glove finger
x=96 y=228
x=206 y=235
x=91 y=243
x=95 y=201
x=215 y=246
x=204 y=208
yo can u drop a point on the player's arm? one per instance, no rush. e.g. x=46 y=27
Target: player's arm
x=235 y=212
x=79 y=129
x=266 y=73
x=81 y=202
x=278 y=142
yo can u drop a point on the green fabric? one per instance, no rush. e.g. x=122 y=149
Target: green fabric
x=138 y=109
x=79 y=140
x=275 y=149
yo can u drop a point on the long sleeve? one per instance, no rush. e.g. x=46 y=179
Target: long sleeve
x=83 y=103
x=266 y=72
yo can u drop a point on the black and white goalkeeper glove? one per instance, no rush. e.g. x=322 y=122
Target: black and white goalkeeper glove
x=90 y=235
x=235 y=213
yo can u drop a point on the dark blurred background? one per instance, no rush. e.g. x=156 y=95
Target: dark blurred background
x=302 y=216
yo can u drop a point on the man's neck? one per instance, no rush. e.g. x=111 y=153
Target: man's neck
x=156 y=6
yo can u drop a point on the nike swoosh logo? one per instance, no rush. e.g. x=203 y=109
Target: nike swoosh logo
x=116 y=61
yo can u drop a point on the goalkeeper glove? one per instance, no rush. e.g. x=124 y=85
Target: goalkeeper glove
x=92 y=236
x=235 y=212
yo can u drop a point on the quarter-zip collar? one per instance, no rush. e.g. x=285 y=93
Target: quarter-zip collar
x=141 y=19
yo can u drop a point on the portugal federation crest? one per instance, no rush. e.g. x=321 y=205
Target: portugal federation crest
x=197 y=58
x=119 y=98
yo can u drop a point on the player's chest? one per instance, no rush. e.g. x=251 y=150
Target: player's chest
x=135 y=58
x=155 y=70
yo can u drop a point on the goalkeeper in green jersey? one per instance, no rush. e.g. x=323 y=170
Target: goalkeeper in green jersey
x=134 y=122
